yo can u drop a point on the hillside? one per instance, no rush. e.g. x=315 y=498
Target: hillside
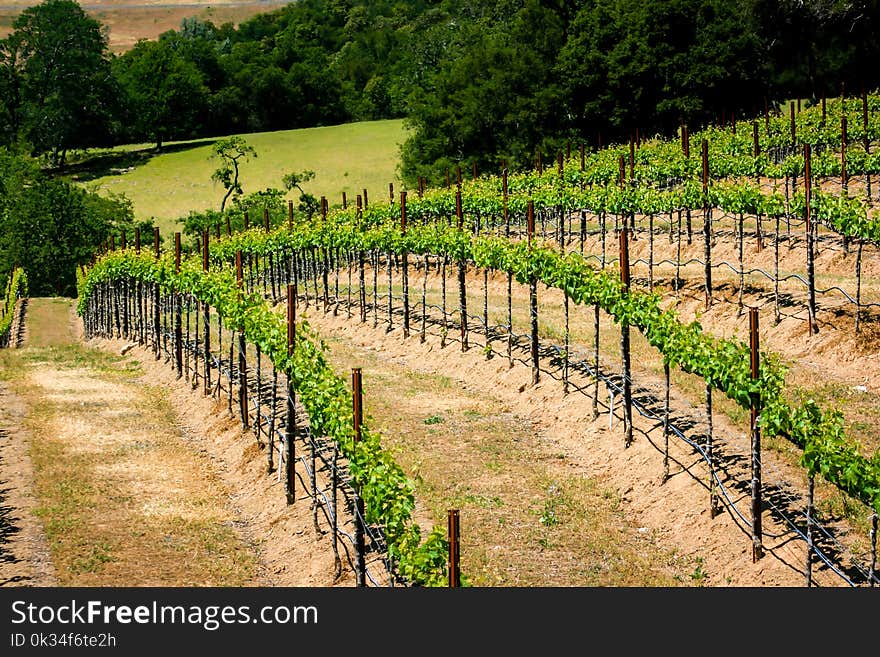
x=127 y=22
x=345 y=158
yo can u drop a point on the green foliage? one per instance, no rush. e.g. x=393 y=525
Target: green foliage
x=386 y=491
x=165 y=91
x=308 y=204
x=722 y=363
x=50 y=227
x=230 y=151
x=59 y=90
x=16 y=288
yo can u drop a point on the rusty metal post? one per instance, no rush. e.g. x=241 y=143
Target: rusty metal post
x=289 y=215
x=404 y=256
x=453 y=537
x=290 y=427
x=462 y=270
x=755 y=364
x=156 y=300
x=178 y=300
x=533 y=298
x=242 y=354
x=867 y=143
x=625 y=351
x=707 y=224
x=811 y=273
x=359 y=515
x=206 y=315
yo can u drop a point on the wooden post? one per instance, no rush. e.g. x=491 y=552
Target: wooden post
x=454 y=548
x=289 y=215
x=755 y=360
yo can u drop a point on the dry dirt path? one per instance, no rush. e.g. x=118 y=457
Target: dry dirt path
x=672 y=516
x=106 y=483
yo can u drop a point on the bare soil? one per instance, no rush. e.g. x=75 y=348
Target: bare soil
x=116 y=474
x=675 y=513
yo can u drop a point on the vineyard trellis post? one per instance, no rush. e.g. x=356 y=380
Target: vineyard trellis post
x=177 y=300
x=707 y=223
x=405 y=265
x=359 y=515
x=808 y=216
x=290 y=425
x=242 y=354
x=757 y=547
x=462 y=269
x=156 y=301
x=453 y=537
x=206 y=315
x=533 y=296
x=625 y=339
x=844 y=178
x=811 y=485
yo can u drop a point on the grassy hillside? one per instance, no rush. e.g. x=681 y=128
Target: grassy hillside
x=345 y=158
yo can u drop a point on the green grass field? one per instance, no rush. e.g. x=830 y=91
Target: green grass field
x=345 y=158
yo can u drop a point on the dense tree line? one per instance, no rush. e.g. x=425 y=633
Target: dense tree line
x=479 y=81
x=50 y=226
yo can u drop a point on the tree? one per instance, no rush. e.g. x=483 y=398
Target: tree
x=50 y=226
x=57 y=62
x=308 y=204
x=165 y=91
x=629 y=65
x=231 y=151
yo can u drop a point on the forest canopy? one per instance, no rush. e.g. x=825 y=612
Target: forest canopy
x=478 y=81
